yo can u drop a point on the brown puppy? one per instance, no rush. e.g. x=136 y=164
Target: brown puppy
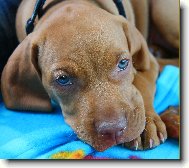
x=95 y=65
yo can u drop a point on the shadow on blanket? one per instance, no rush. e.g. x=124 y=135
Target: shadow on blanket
x=46 y=136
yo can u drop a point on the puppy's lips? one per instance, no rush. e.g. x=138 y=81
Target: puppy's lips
x=107 y=141
x=102 y=146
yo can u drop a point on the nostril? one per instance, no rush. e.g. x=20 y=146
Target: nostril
x=111 y=133
x=120 y=132
x=113 y=128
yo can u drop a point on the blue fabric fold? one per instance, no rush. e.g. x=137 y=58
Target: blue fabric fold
x=167 y=89
x=27 y=135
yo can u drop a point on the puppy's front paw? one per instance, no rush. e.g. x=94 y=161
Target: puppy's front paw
x=153 y=135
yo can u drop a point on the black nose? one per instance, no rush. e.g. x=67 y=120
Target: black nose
x=113 y=128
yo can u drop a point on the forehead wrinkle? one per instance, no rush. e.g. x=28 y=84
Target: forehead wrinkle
x=90 y=42
x=99 y=46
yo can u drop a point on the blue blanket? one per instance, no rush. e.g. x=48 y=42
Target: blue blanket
x=25 y=135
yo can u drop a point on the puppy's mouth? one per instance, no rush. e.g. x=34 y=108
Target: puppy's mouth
x=106 y=141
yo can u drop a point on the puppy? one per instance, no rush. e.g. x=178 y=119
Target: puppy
x=95 y=64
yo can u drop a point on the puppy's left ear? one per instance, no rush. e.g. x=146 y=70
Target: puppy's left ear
x=137 y=47
x=21 y=84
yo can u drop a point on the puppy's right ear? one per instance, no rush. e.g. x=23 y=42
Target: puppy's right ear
x=21 y=85
x=137 y=47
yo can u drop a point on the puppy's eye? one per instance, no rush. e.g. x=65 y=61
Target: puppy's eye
x=123 y=64
x=64 y=80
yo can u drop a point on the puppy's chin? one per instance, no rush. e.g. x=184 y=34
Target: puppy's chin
x=102 y=146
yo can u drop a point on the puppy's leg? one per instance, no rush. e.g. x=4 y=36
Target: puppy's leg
x=171 y=118
x=155 y=130
x=165 y=16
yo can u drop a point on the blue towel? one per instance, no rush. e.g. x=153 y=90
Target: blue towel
x=25 y=135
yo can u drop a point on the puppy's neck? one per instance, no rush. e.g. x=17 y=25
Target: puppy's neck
x=107 y=5
x=53 y=5
x=26 y=8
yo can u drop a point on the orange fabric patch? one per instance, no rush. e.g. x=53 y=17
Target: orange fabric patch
x=79 y=154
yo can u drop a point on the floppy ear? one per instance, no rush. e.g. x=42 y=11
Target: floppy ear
x=137 y=47
x=21 y=85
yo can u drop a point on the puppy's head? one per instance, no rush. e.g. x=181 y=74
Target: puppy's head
x=87 y=64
